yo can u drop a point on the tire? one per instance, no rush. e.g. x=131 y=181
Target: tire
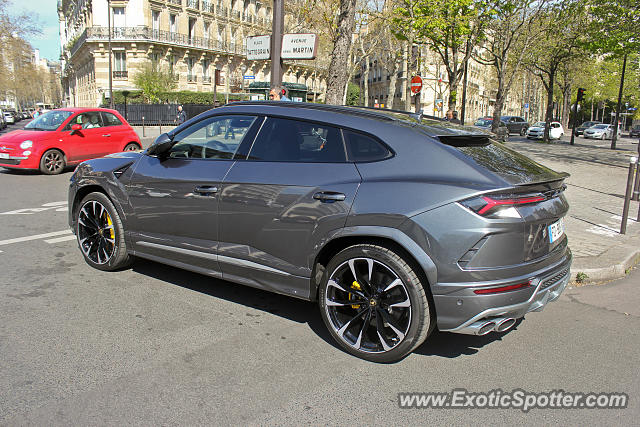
x=132 y=146
x=95 y=217
x=505 y=137
x=52 y=162
x=392 y=316
x=523 y=131
x=602 y=137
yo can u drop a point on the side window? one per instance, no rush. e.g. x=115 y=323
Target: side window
x=110 y=119
x=214 y=138
x=89 y=120
x=363 y=148
x=284 y=140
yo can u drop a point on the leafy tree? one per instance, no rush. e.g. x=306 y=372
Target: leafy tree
x=153 y=81
x=509 y=34
x=561 y=40
x=353 y=94
x=615 y=29
x=450 y=28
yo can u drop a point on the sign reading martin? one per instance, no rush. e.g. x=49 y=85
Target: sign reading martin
x=299 y=46
x=258 y=47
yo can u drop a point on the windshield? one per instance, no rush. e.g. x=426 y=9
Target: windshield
x=50 y=120
x=483 y=122
x=589 y=124
x=600 y=126
x=539 y=124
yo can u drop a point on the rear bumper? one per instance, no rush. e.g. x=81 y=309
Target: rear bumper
x=458 y=311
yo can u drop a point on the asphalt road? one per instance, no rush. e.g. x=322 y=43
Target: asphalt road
x=155 y=345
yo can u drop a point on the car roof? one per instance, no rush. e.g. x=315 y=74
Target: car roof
x=432 y=126
x=85 y=109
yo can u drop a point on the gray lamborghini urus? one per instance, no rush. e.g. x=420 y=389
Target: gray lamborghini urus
x=394 y=223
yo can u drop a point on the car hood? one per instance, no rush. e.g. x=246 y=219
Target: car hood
x=594 y=130
x=17 y=136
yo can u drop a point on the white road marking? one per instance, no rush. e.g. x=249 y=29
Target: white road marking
x=34 y=237
x=61 y=239
x=57 y=206
x=60 y=204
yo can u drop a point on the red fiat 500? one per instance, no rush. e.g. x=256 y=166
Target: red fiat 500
x=65 y=137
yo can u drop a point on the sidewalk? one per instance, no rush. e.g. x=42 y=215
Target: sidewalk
x=595 y=191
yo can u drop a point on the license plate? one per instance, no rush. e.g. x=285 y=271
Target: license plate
x=556 y=230
x=4 y=156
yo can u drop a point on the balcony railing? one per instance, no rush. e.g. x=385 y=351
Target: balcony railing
x=206 y=79
x=148 y=34
x=192 y=78
x=193 y=4
x=235 y=14
x=178 y=2
x=123 y=75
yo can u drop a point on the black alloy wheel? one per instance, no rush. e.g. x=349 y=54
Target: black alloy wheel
x=100 y=233
x=373 y=303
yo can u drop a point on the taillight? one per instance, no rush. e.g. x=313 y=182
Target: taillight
x=501 y=289
x=501 y=206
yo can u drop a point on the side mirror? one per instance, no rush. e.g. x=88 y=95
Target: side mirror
x=75 y=128
x=161 y=145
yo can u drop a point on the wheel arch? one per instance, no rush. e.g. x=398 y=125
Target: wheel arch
x=392 y=238
x=82 y=192
x=139 y=144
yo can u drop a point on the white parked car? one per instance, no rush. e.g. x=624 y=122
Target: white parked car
x=537 y=131
x=8 y=117
x=599 y=131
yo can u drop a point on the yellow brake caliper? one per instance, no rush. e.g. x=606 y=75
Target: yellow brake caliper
x=355 y=285
x=110 y=223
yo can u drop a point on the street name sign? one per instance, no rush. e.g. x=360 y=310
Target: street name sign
x=299 y=46
x=258 y=48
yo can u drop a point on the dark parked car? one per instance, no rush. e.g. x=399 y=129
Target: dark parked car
x=516 y=124
x=635 y=132
x=396 y=225
x=584 y=126
x=486 y=122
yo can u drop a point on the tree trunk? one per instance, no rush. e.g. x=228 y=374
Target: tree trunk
x=497 y=108
x=566 y=101
x=338 y=73
x=365 y=81
x=393 y=81
x=549 y=115
x=405 y=97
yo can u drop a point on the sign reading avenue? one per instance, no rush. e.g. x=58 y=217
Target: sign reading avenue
x=299 y=46
x=258 y=47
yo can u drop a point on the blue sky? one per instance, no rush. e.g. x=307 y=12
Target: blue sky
x=46 y=14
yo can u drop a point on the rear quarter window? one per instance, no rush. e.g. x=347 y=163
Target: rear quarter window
x=363 y=148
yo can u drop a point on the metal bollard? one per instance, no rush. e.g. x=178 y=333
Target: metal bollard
x=143 y=133
x=636 y=186
x=627 y=194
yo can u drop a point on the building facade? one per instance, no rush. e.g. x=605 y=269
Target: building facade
x=194 y=39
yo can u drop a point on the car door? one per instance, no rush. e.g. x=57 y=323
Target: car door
x=114 y=132
x=86 y=143
x=275 y=207
x=174 y=197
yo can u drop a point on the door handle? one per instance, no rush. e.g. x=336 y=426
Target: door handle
x=206 y=190
x=107 y=134
x=329 y=196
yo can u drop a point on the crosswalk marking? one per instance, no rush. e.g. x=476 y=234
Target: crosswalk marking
x=61 y=239
x=34 y=237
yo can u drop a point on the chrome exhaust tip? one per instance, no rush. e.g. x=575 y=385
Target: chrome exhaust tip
x=481 y=327
x=505 y=324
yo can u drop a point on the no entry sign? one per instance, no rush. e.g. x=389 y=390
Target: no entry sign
x=416 y=84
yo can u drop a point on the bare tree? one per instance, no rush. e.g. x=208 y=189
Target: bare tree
x=338 y=73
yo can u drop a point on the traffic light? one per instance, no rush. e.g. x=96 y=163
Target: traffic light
x=581 y=92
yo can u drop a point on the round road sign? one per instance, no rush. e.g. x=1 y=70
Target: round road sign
x=416 y=84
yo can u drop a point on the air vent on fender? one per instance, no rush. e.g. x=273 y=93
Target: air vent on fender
x=118 y=172
x=468 y=256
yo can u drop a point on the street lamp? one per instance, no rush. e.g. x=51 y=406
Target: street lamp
x=110 y=72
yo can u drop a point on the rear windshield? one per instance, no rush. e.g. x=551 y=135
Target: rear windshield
x=512 y=166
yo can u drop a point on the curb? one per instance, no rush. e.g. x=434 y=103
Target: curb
x=604 y=267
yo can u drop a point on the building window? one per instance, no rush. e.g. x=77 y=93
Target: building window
x=205 y=33
x=191 y=77
x=120 y=65
x=172 y=23
x=156 y=20
x=118 y=17
x=205 y=71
